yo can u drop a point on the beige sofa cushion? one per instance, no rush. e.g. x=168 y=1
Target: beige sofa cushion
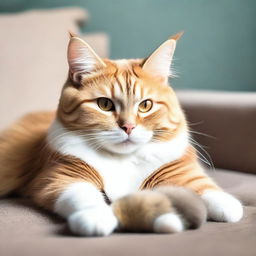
x=33 y=64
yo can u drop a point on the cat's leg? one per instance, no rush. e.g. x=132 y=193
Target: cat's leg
x=83 y=205
x=221 y=206
x=187 y=172
x=74 y=192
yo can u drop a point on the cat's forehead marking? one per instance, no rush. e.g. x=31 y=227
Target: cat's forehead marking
x=127 y=88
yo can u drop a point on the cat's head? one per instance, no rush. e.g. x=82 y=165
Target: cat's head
x=120 y=105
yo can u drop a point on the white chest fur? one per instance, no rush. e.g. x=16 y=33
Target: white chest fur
x=121 y=174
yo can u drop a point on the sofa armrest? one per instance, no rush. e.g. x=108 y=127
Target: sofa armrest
x=230 y=121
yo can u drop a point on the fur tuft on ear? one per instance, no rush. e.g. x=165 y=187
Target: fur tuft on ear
x=159 y=62
x=71 y=34
x=177 y=36
x=82 y=58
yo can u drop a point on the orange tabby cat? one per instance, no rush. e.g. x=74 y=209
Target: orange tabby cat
x=118 y=129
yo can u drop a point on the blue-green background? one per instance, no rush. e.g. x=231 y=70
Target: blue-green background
x=217 y=51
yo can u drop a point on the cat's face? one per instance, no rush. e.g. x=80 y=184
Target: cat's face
x=118 y=106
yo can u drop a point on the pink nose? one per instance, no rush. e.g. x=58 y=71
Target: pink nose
x=128 y=128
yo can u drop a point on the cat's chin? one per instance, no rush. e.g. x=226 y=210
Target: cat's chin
x=123 y=148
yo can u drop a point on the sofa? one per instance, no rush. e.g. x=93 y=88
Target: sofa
x=222 y=123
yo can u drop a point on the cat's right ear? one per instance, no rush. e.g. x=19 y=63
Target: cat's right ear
x=82 y=59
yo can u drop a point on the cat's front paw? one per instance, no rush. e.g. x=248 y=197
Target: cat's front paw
x=222 y=206
x=94 y=221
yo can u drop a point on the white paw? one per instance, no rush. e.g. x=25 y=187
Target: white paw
x=168 y=223
x=222 y=206
x=93 y=221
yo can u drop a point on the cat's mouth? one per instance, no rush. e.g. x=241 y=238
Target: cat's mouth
x=127 y=142
x=126 y=146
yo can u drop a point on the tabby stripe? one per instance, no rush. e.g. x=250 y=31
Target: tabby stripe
x=141 y=92
x=191 y=180
x=77 y=106
x=201 y=189
x=127 y=82
x=134 y=87
x=163 y=103
x=120 y=84
x=112 y=89
x=133 y=72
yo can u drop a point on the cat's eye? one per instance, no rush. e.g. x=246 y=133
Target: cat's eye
x=105 y=104
x=145 y=106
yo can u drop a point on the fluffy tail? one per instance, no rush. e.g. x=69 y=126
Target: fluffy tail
x=162 y=210
x=20 y=146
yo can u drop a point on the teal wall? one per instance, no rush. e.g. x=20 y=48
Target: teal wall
x=217 y=51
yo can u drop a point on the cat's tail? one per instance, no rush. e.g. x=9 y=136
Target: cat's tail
x=20 y=147
x=162 y=210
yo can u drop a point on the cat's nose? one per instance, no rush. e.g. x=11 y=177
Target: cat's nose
x=128 y=128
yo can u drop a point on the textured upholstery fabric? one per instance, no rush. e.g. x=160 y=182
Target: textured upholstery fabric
x=33 y=65
x=229 y=118
x=25 y=230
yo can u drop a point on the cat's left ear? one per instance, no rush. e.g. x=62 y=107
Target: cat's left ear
x=160 y=61
x=82 y=58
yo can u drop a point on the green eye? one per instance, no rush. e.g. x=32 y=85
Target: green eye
x=105 y=104
x=145 y=106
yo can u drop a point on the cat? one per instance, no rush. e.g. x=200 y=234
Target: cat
x=114 y=152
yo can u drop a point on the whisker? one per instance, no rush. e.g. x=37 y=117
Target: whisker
x=203 y=134
x=195 y=123
x=210 y=162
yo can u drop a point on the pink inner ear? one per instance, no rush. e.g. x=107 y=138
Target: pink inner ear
x=76 y=56
x=72 y=53
x=159 y=62
x=81 y=57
